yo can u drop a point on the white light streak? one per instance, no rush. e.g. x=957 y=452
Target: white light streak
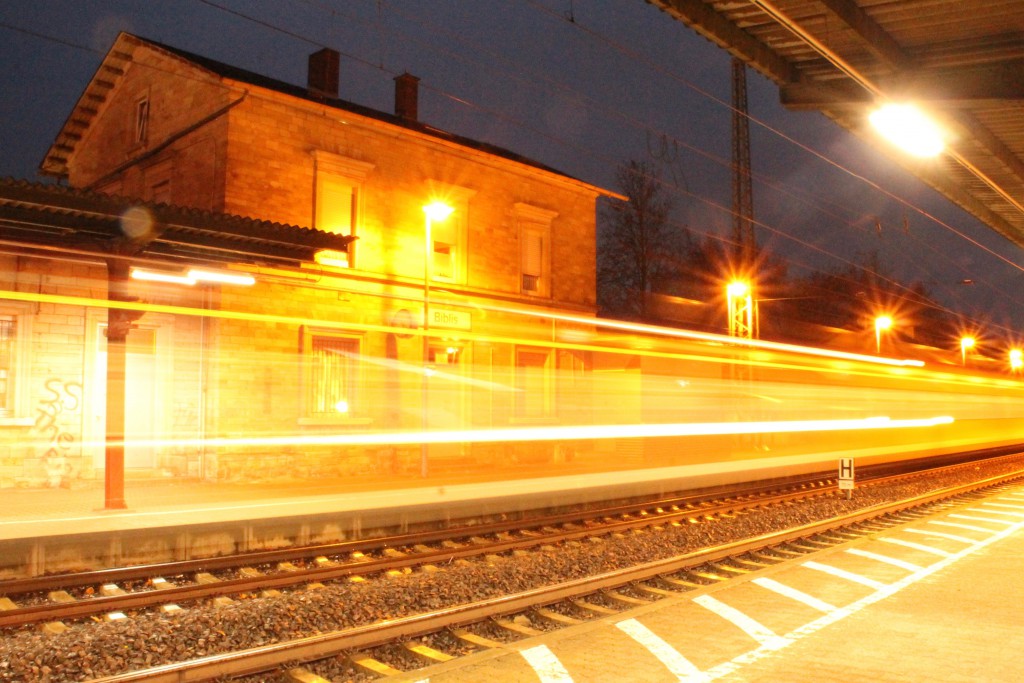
x=554 y=433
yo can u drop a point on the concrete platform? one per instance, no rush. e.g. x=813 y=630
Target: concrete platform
x=937 y=599
x=68 y=529
x=55 y=529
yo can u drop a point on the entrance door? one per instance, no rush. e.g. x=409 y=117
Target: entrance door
x=139 y=402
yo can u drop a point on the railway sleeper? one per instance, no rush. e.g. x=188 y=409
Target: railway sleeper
x=557 y=617
x=518 y=629
x=475 y=640
x=680 y=583
x=654 y=590
x=599 y=610
x=628 y=600
x=302 y=675
x=427 y=653
x=368 y=664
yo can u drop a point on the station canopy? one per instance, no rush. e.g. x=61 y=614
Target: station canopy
x=959 y=61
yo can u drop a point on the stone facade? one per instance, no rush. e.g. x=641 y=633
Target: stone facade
x=231 y=374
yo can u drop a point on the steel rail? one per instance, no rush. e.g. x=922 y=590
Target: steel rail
x=191 y=592
x=261 y=659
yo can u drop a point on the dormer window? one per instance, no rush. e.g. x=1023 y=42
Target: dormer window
x=141 y=120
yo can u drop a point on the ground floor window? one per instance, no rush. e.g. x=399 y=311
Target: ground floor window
x=332 y=364
x=8 y=362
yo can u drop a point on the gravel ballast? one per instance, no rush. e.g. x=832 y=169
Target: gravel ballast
x=91 y=650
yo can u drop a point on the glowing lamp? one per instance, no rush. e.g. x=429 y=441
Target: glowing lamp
x=158 y=276
x=965 y=343
x=737 y=289
x=882 y=322
x=905 y=126
x=226 y=278
x=331 y=257
x=437 y=211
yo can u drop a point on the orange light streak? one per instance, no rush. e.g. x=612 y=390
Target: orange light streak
x=715 y=338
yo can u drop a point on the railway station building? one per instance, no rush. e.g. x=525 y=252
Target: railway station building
x=277 y=278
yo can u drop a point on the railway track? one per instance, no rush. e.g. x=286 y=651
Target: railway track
x=396 y=556
x=62 y=598
x=519 y=615
x=111 y=593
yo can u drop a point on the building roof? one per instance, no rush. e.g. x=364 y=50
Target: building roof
x=121 y=54
x=961 y=59
x=48 y=217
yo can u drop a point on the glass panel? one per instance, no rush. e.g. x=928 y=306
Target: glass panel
x=333 y=384
x=335 y=206
x=531 y=383
x=7 y=341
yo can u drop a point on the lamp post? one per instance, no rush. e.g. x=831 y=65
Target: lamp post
x=882 y=322
x=434 y=211
x=965 y=343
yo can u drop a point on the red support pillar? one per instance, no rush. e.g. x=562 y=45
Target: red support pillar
x=119 y=322
x=116 y=360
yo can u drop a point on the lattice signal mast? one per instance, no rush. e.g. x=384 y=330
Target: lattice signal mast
x=742 y=314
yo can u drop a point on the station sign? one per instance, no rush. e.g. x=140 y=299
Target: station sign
x=450 y=320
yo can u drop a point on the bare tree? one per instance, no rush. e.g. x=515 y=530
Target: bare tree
x=638 y=246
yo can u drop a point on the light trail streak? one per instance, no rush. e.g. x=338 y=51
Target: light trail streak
x=568 y=432
x=711 y=337
x=720 y=340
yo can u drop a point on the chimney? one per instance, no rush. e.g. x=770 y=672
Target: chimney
x=407 y=96
x=323 y=74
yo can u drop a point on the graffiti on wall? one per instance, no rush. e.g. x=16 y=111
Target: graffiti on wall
x=59 y=398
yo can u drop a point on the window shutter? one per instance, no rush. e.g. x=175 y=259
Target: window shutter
x=335 y=206
x=533 y=246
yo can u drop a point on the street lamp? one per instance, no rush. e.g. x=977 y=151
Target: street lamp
x=741 y=310
x=434 y=211
x=882 y=322
x=1016 y=359
x=907 y=127
x=965 y=343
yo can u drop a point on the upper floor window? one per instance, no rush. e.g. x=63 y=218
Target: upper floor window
x=534 y=248
x=449 y=239
x=337 y=198
x=141 y=120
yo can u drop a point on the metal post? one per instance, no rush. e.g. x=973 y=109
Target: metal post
x=427 y=253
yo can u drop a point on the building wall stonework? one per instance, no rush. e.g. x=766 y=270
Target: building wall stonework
x=272 y=176
x=179 y=98
x=215 y=143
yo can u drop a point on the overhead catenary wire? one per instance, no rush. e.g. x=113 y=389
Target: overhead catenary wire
x=552 y=85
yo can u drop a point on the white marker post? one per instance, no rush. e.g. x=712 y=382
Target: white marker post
x=846 y=476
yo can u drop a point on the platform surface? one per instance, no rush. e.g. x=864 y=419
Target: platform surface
x=937 y=599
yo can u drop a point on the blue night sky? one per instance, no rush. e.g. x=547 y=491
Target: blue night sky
x=579 y=85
